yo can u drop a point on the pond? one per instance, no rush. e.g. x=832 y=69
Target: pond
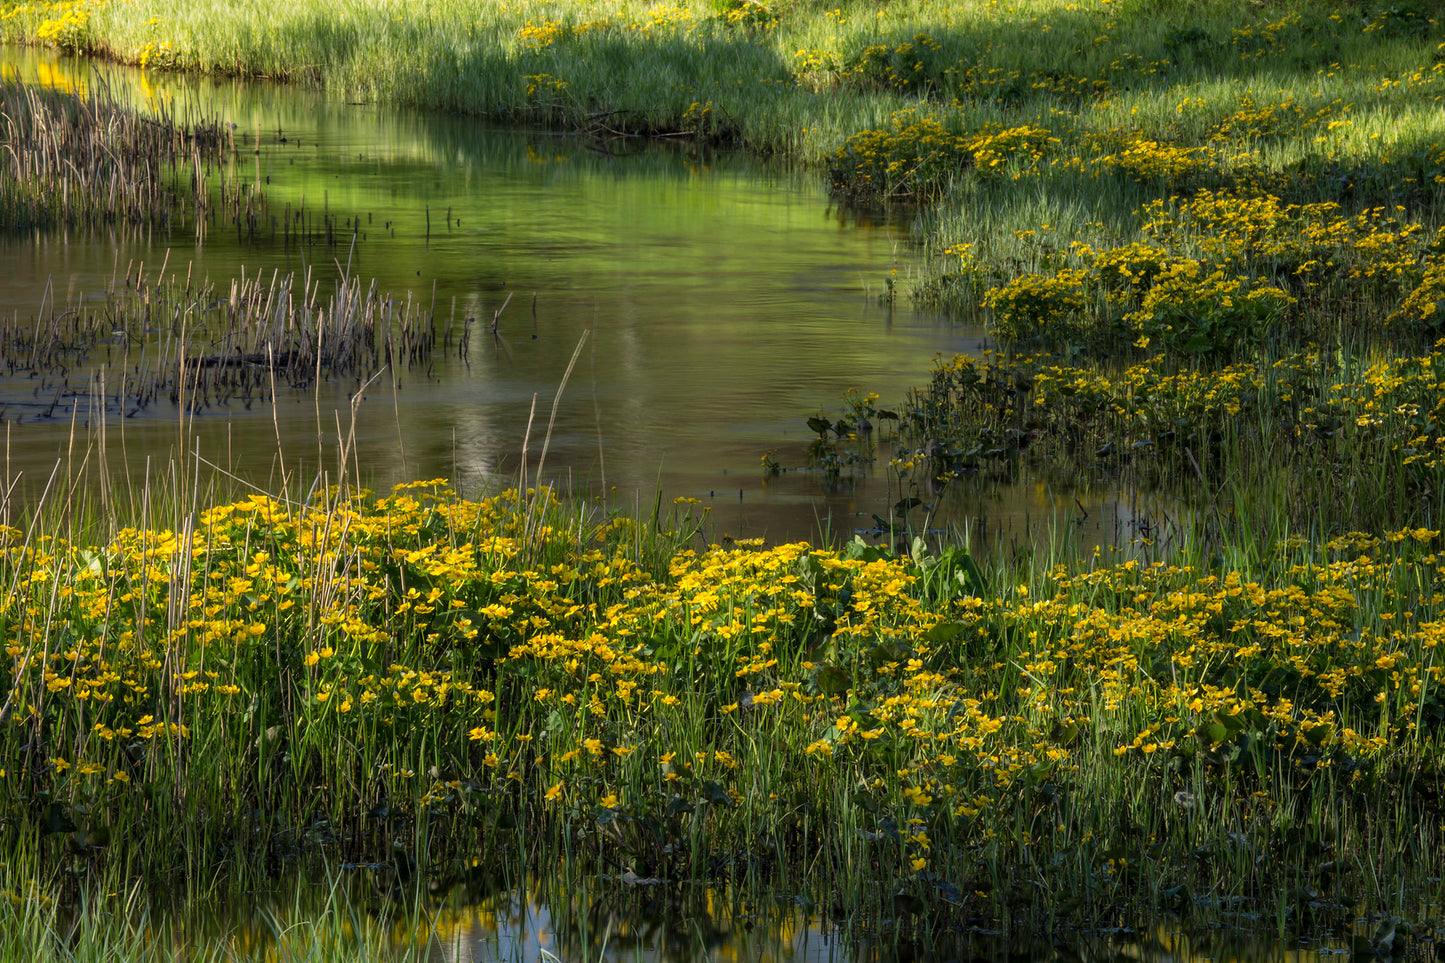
x=718 y=302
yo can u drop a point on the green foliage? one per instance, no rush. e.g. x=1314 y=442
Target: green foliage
x=1206 y=182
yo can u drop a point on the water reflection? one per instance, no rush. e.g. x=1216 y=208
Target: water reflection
x=526 y=932
x=609 y=919
x=517 y=928
x=719 y=303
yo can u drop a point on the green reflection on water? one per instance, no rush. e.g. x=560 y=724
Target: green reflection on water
x=723 y=302
x=359 y=914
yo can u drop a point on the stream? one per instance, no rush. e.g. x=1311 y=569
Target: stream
x=713 y=302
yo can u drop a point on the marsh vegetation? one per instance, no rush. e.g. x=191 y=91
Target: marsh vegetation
x=1207 y=240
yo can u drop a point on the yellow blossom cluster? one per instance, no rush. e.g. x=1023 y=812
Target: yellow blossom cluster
x=449 y=654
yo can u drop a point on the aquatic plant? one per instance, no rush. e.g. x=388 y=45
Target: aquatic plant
x=1333 y=422
x=441 y=666
x=238 y=348
x=83 y=159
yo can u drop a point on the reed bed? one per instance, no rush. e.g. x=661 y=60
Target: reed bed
x=84 y=159
x=156 y=341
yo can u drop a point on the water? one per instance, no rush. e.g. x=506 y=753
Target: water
x=605 y=919
x=719 y=302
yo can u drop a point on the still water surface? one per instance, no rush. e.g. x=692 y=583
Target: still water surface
x=604 y=919
x=723 y=301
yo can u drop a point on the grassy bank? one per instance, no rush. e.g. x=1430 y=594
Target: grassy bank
x=1037 y=744
x=1200 y=177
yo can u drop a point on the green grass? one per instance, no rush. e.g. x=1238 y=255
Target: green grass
x=1245 y=725
x=920 y=100
x=769 y=69
x=334 y=920
x=1043 y=742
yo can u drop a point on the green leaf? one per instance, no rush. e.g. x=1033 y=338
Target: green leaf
x=1212 y=732
x=1064 y=734
x=809 y=570
x=945 y=632
x=891 y=651
x=715 y=795
x=859 y=550
x=1234 y=723
x=831 y=680
x=969 y=575
x=57 y=819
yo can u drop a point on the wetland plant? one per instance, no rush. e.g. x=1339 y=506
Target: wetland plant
x=83 y=159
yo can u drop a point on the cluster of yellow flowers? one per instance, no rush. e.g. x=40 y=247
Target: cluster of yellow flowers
x=446 y=649
x=897 y=66
x=750 y=14
x=534 y=36
x=1217 y=271
x=543 y=85
x=1388 y=412
x=63 y=22
x=917 y=154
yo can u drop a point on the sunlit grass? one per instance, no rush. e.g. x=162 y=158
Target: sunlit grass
x=332 y=920
x=966 y=106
